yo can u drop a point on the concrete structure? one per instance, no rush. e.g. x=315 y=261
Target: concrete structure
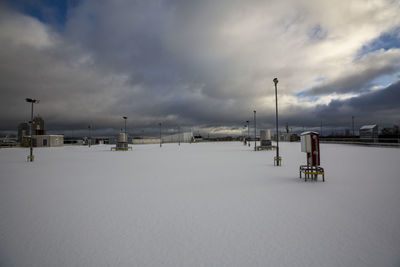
x=43 y=140
x=369 y=132
x=180 y=137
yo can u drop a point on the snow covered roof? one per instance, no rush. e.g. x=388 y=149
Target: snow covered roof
x=367 y=127
x=309 y=132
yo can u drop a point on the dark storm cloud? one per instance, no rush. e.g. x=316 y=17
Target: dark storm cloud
x=192 y=63
x=374 y=107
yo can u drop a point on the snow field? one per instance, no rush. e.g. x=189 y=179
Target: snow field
x=206 y=204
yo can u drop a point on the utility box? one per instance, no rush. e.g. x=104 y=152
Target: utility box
x=310 y=145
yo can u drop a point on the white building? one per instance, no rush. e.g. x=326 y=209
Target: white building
x=369 y=132
x=44 y=140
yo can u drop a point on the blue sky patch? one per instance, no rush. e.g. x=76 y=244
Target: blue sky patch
x=317 y=33
x=385 y=41
x=320 y=79
x=386 y=80
x=52 y=12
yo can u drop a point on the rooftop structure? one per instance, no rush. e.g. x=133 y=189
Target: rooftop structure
x=369 y=132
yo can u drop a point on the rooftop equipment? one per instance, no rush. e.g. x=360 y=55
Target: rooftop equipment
x=310 y=145
x=122 y=143
x=265 y=140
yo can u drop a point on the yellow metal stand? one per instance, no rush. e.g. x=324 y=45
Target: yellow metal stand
x=311 y=172
x=265 y=148
x=277 y=161
x=121 y=148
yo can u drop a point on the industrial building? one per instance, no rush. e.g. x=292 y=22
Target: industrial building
x=39 y=136
x=43 y=140
x=369 y=132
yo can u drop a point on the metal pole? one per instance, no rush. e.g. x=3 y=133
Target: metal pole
x=248 y=129
x=255 y=132
x=179 y=135
x=276 y=113
x=321 y=128
x=31 y=148
x=160 y=134
x=352 y=123
x=90 y=135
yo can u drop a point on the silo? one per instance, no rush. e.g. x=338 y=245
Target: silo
x=122 y=141
x=264 y=140
x=269 y=134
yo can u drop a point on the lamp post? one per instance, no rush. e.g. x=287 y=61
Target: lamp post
x=248 y=131
x=277 y=159
x=125 y=118
x=321 y=129
x=352 y=123
x=90 y=135
x=160 y=133
x=255 y=131
x=32 y=101
x=179 y=135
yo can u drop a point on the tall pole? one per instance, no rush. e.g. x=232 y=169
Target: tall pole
x=276 y=113
x=255 y=131
x=321 y=129
x=248 y=129
x=31 y=146
x=179 y=135
x=125 y=118
x=90 y=135
x=160 y=133
x=32 y=101
x=352 y=123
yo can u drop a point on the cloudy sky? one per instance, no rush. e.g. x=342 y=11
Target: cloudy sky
x=204 y=65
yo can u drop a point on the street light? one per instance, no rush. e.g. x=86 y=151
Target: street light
x=160 y=134
x=277 y=158
x=255 y=131
x=248 y=131
x=125 y=118
x=90 y=135
x=352 y=123
x=179 y=135
x=321 y=129
x=32 y=101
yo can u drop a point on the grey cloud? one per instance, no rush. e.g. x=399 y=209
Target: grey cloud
x=380 y=106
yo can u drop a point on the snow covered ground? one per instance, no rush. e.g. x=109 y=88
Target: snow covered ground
x=208 y=204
